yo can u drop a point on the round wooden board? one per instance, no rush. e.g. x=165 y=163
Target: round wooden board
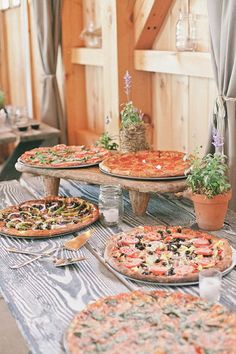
x=93 y=175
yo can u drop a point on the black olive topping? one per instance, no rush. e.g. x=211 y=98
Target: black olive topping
x=140 y=246
x=171 y=271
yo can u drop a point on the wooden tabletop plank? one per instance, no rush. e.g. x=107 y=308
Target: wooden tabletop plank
x=162 y=209
x=44 y=132
x=43 y=298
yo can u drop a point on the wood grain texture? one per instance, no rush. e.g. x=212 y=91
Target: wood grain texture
x=178 y=63
x=43 y=299
x=154 y=21
x=162 y=209
x=94 y=176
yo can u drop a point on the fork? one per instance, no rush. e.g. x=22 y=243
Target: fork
x=30 y=253
x=17 y=266
x=37 y=256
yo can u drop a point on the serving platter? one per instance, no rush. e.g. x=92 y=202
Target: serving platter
x=225 y=272
x=167 y=178
x=64 y=233
x=58 y=168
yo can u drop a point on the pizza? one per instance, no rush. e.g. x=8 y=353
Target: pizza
x=155 y=322
x=62 y=156
x=146 y=164
x=166 y=254
x=47 y=217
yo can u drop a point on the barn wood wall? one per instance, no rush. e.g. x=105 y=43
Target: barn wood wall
x=179 y=105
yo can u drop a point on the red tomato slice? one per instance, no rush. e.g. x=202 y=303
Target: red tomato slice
x=207 y=262
x=204 y=251
x=200 y=242
x=129 y=241
x=158 y=270
x=181 y=236
x=168 y=238
x=133 y=263
x=129 y=251
x=184 y=269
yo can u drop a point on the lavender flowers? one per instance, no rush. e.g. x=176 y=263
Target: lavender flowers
x=128 y=84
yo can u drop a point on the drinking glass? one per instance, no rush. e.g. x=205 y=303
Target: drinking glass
x=210 y=284
x=186 y=38
x=111 y=206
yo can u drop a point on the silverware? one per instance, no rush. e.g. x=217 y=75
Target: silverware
x=17 y=266
x=30 y=253
x=61 y=262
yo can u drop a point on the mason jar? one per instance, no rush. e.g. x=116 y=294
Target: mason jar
x=111 y=205
x=186 y=32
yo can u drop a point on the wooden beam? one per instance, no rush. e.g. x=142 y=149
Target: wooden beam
x=87 y=56
x=179 y=63
x=153 y=23
x=75 y=93
x=110 y=62
x=4 y=79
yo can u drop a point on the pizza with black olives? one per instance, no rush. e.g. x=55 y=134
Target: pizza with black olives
x=166 y=254
x=47 y=217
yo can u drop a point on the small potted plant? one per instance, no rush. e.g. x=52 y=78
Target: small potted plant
x=133 y=130
x=107 y=142
x=209 y=183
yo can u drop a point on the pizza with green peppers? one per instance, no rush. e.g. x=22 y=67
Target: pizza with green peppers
x=166 y=254
x=47 y=217
x=154 y=322
x=63 y=156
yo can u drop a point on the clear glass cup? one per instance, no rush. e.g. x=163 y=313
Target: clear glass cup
x=22 y=119
x=186 y=32
x=210 y=284
x=111 y=205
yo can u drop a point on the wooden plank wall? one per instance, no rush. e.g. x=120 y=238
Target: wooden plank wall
x=182 y=105
x=13 y=66
x=179 y=105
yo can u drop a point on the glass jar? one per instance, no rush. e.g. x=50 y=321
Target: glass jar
x=111 y=205
x=186 y=32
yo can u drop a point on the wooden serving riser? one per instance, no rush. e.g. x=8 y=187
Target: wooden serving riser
x=139 y=190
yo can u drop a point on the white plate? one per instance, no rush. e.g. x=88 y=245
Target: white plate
x=170 y=178
x=225 y=272
x=58 y=168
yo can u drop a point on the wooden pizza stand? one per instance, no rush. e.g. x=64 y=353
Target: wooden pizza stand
x=139 y=190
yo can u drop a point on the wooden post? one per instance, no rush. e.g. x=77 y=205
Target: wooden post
x=75 y=93
x=51 y=185
x=139 y=202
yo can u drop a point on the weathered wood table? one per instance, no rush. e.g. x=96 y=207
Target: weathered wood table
x=24 y=141
x=139 y=191
x=43 y=299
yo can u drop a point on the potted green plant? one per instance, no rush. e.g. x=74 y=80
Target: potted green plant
x=133 y=131
x=107 y=142
x=209 y=183
x=2 y=100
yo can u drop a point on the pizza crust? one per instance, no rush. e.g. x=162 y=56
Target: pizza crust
x=160 y=317
x=192 y=277
x=94 y=156
x=68 y=228
x=146 y=164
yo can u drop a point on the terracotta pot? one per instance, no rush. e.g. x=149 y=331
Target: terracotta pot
x=210 y=213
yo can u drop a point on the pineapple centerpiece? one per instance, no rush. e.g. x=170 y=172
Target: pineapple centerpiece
x=132 y=131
